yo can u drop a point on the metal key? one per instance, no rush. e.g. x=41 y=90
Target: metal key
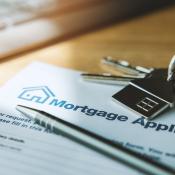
x=126 y=67
x=106 y=78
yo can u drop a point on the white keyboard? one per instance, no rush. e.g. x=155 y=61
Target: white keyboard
x=13 y=12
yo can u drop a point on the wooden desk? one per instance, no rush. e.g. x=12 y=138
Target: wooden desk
x=148 y=40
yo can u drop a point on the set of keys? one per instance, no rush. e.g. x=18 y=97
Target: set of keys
x=147 y=91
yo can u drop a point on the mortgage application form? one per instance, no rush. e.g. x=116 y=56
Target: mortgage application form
x=63 y=93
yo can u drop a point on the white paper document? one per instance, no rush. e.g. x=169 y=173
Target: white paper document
x=27 y=148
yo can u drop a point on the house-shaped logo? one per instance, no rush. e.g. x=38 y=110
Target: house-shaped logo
x=39 y=94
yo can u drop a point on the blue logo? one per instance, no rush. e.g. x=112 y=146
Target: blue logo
x=39 y=94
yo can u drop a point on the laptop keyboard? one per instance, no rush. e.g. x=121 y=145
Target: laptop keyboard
x=13 y=12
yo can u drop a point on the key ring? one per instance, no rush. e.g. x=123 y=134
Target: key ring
x=171 y=72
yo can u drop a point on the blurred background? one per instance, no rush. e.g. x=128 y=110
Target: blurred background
x=78 y=33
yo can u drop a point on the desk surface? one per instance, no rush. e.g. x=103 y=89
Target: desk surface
x=148 y=40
